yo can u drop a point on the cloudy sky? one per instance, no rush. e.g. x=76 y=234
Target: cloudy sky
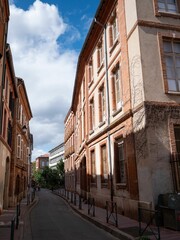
x=46 y=37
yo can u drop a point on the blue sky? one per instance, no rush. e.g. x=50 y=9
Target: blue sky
x=77 y=13
x=46 y=38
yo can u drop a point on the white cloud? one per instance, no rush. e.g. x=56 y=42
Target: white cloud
x=47 y=69
x=87 y=21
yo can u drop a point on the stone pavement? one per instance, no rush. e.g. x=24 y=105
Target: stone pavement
x=127 y=228
x=8 y=215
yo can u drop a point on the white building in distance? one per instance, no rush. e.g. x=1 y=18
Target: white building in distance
x=55 y=155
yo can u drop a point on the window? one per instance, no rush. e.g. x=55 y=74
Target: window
x=27 y=154
x=22 y=145
x=104 y=165
x=119 y=153
x=102 y=110
x=177 y=137
x=168 y=6
x=116 y=89
x=18 y=146
x=90 y=70
x=93 y=167
x=92 y=115
x=176 y=159
x=172 y=62
x=84 y=89
x=113 y=29
x=9 y=139
x=100 y=53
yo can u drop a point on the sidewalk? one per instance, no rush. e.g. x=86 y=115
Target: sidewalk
x=6 y=218
x=127 y=228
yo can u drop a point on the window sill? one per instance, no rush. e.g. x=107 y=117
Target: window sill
x=100 y=67
x=167 y=14
x=115 y=112
x=91 y=132
x=90 y=83
x=173 y=93
x=121 y=186
x=101 y=124
x=115 y=43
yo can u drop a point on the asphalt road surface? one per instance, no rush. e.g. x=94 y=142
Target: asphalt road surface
x=53 y=219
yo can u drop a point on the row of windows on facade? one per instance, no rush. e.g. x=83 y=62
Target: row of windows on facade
x=164 y=5
x=119 y=163
x=120 y=172
x=57 y=159
x=172 y=62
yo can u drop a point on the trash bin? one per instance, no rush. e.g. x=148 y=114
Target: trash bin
x=169 y=204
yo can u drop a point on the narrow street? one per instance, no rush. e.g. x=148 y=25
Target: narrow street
x=53 y=219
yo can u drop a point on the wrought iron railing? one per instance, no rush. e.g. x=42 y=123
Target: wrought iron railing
x=111 y=212
x=151 y=218
x=91 y=206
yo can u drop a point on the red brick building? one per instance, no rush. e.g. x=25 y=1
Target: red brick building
x=4 y=153
x=122 y=132
x=42 y=161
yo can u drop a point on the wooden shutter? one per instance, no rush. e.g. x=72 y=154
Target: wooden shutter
x=116 y=162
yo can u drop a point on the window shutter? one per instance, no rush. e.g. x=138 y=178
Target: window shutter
x=110 y=36
x=116 y=162
x=18 y=146
x=2 y=34
x=113 y=94
x=98 y=57
x=100 y=107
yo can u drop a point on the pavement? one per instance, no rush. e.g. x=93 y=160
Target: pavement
x=7 y=232
x=124 y=229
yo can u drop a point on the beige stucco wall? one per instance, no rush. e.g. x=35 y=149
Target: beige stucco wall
x=152 y=67
x=146 y=11
x=131 y=14
x=135 y=66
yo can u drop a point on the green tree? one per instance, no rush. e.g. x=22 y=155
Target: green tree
x=60 y=169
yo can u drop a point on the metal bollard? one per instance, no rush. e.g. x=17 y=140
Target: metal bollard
x=12 y=229
x=17 y=216
x=80 y=202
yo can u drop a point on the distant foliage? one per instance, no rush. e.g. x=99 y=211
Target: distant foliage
x=50 y=178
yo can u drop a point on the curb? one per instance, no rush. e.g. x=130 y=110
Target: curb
x=25 y=217
x=112 y=230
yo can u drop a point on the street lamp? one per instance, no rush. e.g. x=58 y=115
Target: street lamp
x=107 y=105
x=24 y=129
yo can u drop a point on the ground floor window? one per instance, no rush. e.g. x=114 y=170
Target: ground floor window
x=119 y=154
x=175 y=161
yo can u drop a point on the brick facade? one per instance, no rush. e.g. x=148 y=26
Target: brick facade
x=141 y=110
